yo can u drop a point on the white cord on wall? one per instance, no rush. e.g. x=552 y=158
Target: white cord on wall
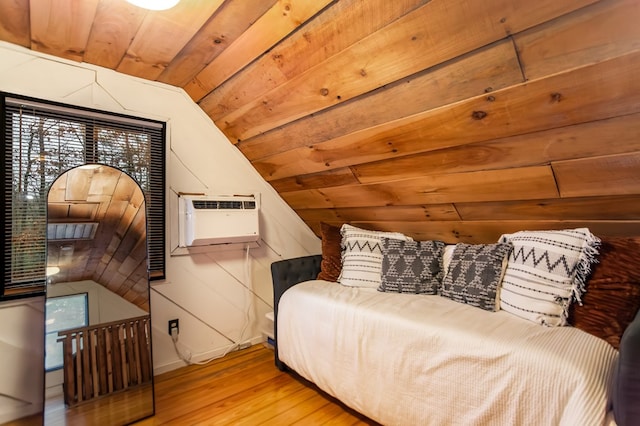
x=186 y=357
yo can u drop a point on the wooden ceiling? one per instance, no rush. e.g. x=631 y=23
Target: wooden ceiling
x=116 y=255
x=451 y=119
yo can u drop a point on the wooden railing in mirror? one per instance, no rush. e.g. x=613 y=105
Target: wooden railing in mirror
x=106 y=358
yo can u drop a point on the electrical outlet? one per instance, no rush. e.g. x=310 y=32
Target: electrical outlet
x=173 y=324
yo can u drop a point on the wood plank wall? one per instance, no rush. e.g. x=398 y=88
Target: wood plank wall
x=457 y=120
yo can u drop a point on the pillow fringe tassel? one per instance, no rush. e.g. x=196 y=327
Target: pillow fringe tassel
x=589 y=256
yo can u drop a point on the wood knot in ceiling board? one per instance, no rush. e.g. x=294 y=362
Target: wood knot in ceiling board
x=267 y=105
x=324 y=91
x=491 y=98
x=363 y=72
x=429 y=191
x=478 y=115
x=74 y=52
x=556 y=97
x=488 y=89
x=507 y=29
x=286 y=9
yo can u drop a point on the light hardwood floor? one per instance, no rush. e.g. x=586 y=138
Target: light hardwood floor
x=244 y=388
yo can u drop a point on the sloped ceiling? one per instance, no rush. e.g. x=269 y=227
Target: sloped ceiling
x=115 y=255
x=451 y=119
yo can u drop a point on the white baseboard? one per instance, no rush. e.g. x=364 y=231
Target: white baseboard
x=202 y=357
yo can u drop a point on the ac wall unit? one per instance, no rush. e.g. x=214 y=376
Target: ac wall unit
x=209 y=220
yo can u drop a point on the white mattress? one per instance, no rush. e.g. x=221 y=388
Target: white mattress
x=406 y=359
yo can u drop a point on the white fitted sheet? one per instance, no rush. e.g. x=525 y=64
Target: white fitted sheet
x=405 y=359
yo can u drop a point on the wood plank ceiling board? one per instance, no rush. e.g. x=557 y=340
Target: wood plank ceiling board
x=57 y=191
x=57 y=211
x=485 y=70
x=384 y=213
x=275 y=24
x=132 y=250
x=410 y=44
x=224 y=27
x=336 y=28
x=62 y=27
x=113 y=279
x=591 y=208
x=151 y=51
x=125 y=271
x=557 y=101
x=116 y=24
x=596 y=33
x=131 y=214
x=14 y=22
x=136 y=255
x=611 y=136
x=484 y=232
x=82 y=211
x=126 y=264
x=607 y=175
x=494 y=185
x=336 y=177
x=103 y=185
x=78 y=184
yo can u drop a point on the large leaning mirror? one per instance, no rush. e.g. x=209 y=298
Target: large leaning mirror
x=98 y=331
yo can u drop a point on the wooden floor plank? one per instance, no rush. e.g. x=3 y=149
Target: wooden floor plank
x=244 y=388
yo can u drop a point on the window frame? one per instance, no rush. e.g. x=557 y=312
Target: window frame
x=155 y=193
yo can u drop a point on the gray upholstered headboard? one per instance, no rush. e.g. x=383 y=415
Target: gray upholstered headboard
x=286 y=274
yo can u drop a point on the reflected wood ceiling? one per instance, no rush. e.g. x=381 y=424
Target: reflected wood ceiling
x=450 y=119
x=116 y=256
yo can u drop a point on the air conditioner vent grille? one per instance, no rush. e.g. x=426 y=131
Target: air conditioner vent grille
x=223 y=205
x=217 y=205
x=205 y=205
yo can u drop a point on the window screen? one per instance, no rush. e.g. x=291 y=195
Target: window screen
x=43 y=140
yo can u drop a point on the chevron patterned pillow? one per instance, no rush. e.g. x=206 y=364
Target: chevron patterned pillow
x=475 y=273
x=362 y=256
x=547 y=271
x=411 y=266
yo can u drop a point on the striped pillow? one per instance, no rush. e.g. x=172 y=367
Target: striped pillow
x=362 y=256
x=546 y=272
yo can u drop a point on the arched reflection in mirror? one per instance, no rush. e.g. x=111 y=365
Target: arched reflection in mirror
x=98 y=371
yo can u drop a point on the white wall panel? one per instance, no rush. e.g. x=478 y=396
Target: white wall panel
x=22 y=355
x=205 y=291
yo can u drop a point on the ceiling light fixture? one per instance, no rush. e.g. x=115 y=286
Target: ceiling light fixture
x=154 y=4
x=52 y=270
